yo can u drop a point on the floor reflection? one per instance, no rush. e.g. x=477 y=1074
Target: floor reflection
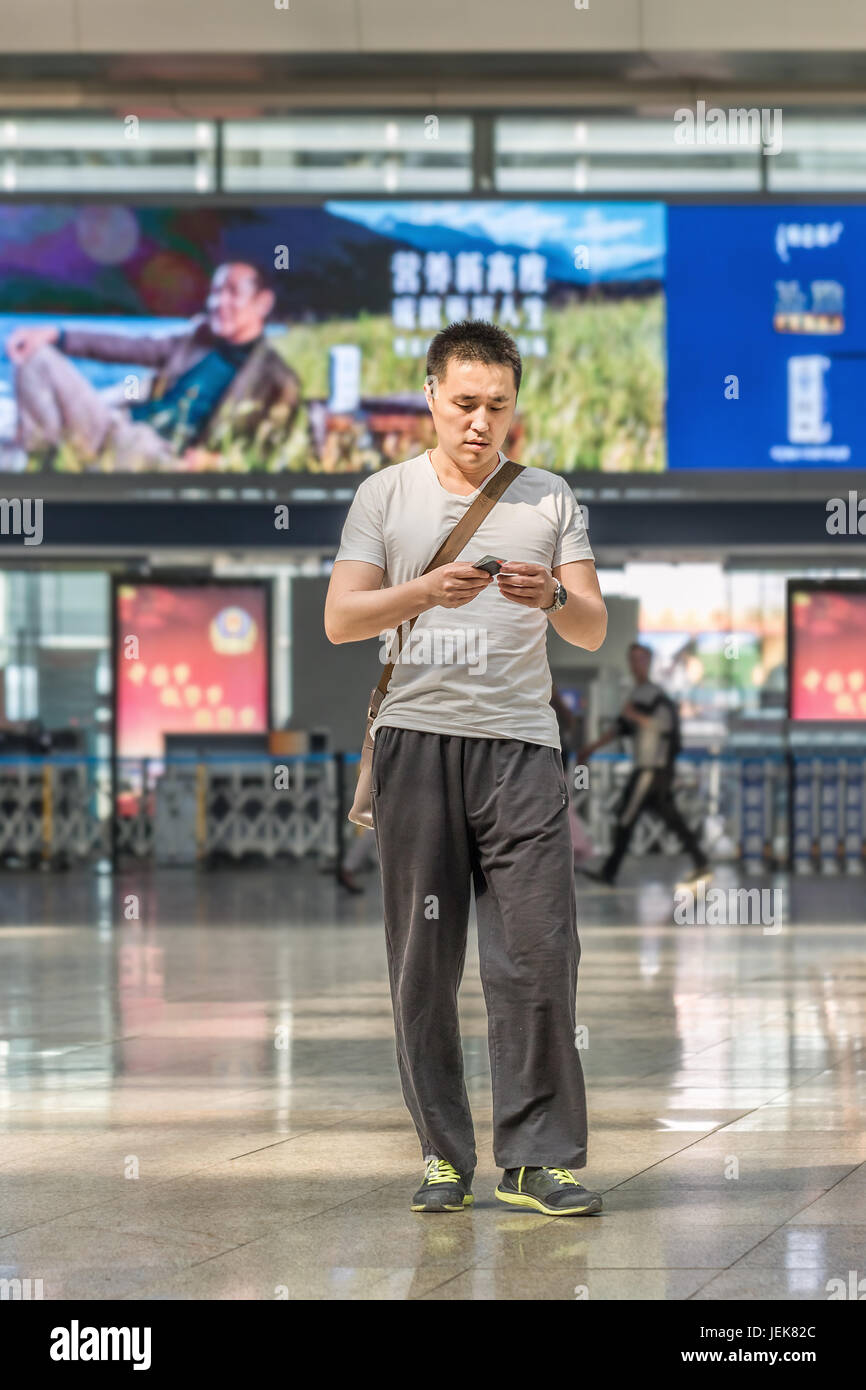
x=199 y=1099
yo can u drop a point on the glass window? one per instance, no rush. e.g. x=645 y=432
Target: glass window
x=54 y=642
x=41 y=154
x=597 y=154
x=349 y=154
x=819 y=155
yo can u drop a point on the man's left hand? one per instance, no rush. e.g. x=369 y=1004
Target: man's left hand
x=532 y=585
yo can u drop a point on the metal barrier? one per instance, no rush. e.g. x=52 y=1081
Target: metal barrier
x=185 y=809
x=56 y=811
x=53 y=810
x=282 y=807
x=828 y=812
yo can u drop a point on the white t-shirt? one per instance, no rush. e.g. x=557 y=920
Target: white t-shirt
x=479 y=671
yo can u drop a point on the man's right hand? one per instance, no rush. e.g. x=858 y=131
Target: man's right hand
x=22 y=344
x=452 y=586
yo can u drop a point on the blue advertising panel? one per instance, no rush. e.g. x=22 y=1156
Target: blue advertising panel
x=766 y=337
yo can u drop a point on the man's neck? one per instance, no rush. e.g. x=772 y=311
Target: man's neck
x=457 y=478
x=244 y=339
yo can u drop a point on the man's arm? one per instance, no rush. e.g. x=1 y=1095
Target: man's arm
x=637 y=717
x=149 y=350
x=101 y=347
x=583 y=620
x=608 y=736
x=357 y=607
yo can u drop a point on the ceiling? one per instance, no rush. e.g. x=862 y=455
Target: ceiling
x=250 y=84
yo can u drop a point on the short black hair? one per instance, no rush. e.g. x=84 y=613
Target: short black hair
x=473 y=340
x=641 y=647
x=261 y=273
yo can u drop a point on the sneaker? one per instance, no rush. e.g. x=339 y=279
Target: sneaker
x=443 y=1188
x=553 y=1191
x=700 y=871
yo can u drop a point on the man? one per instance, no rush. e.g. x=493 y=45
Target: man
x=467 y=778
x=651 y=719
x=215 y=381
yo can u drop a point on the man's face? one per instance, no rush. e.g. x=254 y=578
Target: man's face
x=472 y=410
x=236 y=307
x=639 y=664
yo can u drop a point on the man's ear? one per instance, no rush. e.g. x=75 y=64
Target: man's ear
x=268 y=299
x=431 y=386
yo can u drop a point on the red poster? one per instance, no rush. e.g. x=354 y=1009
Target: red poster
x=828 y=655
x=190 y=659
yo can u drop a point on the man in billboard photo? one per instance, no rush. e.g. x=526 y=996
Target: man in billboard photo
x=651 y=719
x=213 y=385
x=467 y=779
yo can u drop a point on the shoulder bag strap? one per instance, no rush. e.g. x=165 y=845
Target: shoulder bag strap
x=454 y=543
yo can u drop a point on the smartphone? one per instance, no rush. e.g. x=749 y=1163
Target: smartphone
x=488 y=563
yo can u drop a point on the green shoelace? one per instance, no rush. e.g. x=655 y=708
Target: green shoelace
x=562 y=1175
x=440 y=1171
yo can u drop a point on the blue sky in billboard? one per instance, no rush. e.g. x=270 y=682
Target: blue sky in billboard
x=624 y=241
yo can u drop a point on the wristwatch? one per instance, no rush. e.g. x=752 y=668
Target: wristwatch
x=559 y=599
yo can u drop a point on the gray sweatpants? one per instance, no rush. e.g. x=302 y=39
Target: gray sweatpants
x=449 y=811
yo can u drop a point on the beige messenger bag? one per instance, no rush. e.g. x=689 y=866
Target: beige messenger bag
x=362 y=807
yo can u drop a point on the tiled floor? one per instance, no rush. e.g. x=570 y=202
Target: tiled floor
x=203 y=1102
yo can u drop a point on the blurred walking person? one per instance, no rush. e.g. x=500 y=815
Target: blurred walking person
x=651 y=719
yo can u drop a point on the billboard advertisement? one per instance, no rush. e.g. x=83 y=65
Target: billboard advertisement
x=273 y=339
x=827 y=651
x=766 y=337
x=269 y=340
x=189 y=658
